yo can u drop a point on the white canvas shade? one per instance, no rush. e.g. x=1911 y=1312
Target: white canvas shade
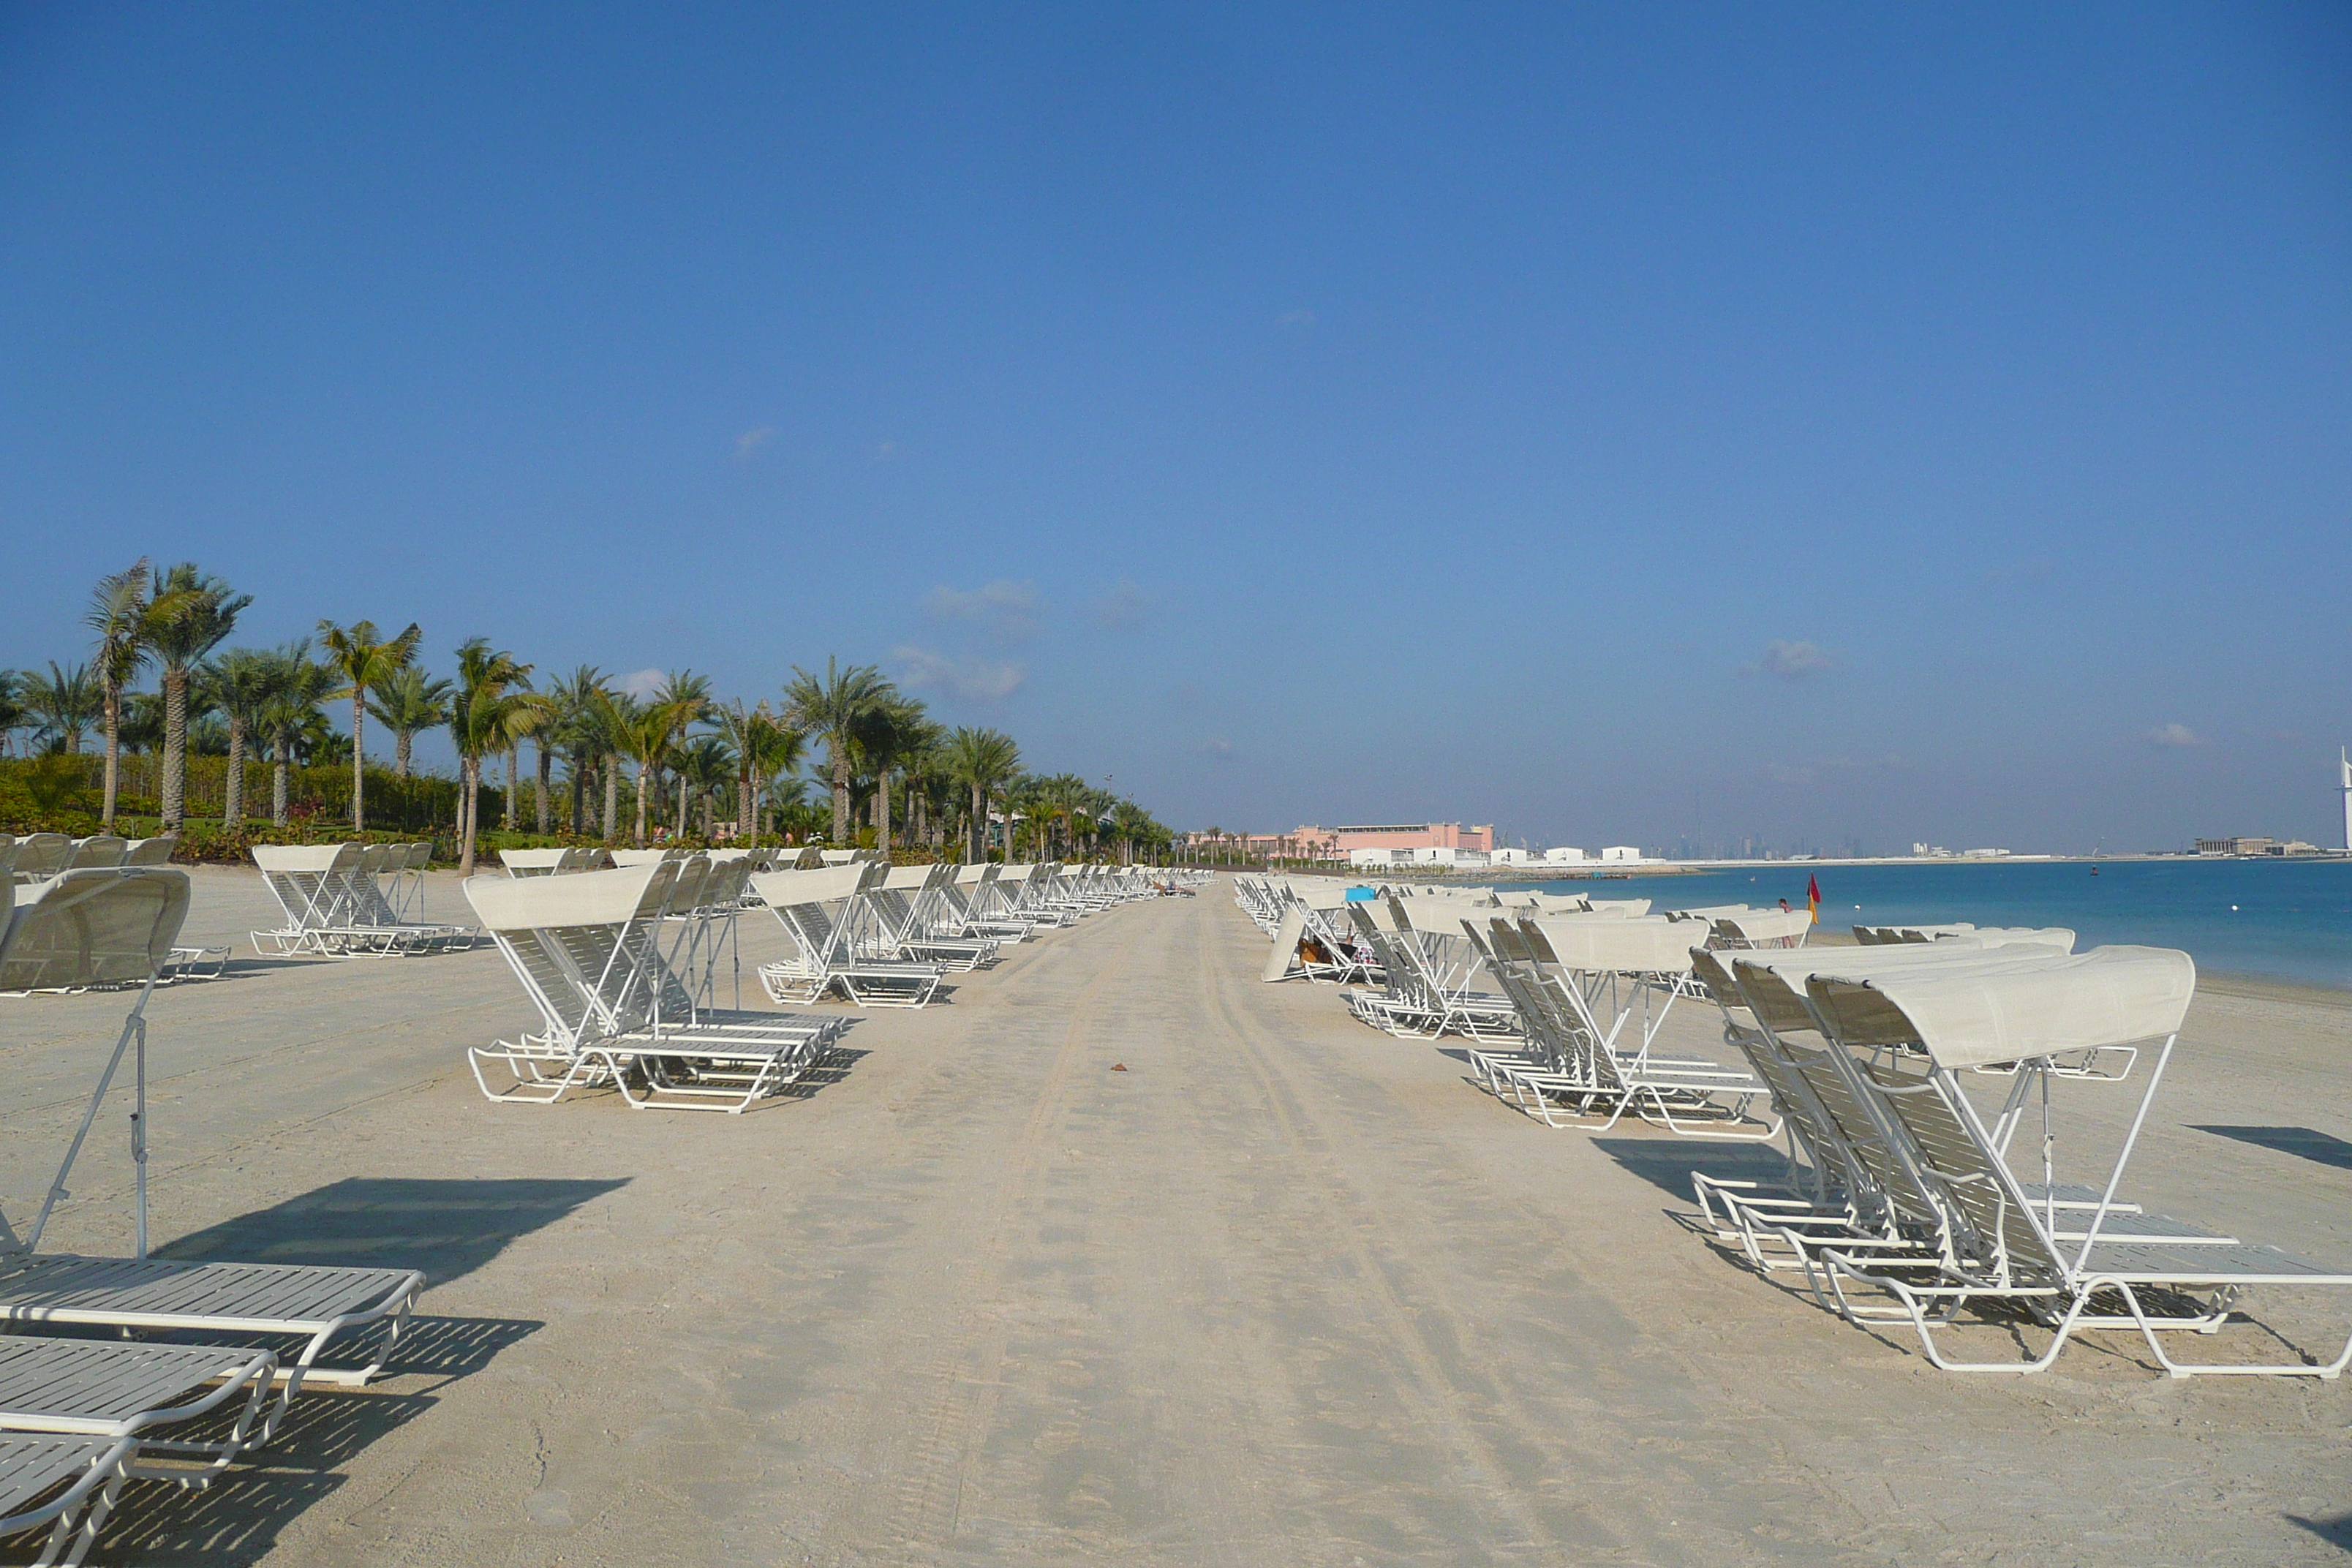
x=2012 y=1008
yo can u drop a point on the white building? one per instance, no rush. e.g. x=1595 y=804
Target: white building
x=1509 y=857
x=1621 y=855
x=1379 y=858
x=1562 y=854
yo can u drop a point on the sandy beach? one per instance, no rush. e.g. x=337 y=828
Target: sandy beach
x=1284 y=1290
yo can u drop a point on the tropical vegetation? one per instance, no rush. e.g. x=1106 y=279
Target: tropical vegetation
x=842 y=756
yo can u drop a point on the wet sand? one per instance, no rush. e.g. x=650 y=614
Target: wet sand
x=1284 y=1292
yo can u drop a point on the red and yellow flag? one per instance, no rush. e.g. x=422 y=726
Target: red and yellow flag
x=1813 y=896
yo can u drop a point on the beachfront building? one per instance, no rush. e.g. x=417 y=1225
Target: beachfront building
x=1416 y=836
x=1621 y=855
x=1564 y=854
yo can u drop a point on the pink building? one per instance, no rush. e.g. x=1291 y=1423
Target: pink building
x=1414 y=836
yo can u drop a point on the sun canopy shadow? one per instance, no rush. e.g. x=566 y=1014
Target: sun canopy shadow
x=1667 y=1163
x=447 y=1229
x=2303 y=1142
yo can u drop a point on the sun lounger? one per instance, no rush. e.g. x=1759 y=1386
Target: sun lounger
x=104 y=927
x=1577 y=977
x=2008 y=1249
x=827 y=961
x=589 y=951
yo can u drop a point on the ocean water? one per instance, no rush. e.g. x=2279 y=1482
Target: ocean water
x=2288 y=920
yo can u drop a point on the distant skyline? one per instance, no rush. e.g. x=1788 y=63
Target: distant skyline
x=1622 y=425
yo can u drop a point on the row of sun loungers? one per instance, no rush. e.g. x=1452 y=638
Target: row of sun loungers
x=622 y=964
x=343 y=898
x=1900 y=1204
x=80 y=1419
x=32 y=863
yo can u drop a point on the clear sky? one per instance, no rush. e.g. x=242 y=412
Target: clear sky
x=1618 y=423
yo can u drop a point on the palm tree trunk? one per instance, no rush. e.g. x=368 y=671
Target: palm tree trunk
x=644 y=785
x=514 y=768
x=546 y=774
x=882 y=810
x=840 y=792
x=175 y=749
x=232 y=789
x=684 y=797
x=743 y=824
x=611 y=795
x=281 y=761
x=359 y=760
x=401 y=741
x=579 y=784
x=976 y=830
x=113 y=752
x=471 y=805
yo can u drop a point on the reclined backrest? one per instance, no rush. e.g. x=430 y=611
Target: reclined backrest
x=95 y=926
x=155 y=851
x=41 y=855
x=98 y=850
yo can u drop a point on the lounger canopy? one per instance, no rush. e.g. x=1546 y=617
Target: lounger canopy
x=1764 y=925
x=311 y=858
x=2009 y=1010
x=91 y=927
x=1631 y=945
x=551 y=903
x=782 y=889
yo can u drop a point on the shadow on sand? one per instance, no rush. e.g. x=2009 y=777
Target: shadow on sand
x=237 y=1519
x=1667 y=1163
x=2305 y=1143
x=447 y=1229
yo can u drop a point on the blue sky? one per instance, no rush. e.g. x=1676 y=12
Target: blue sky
x=1618 y=423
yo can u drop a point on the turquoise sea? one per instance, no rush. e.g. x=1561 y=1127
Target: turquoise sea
x=2288 y=920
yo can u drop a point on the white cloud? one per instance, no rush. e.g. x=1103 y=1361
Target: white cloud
x=751 y=441
x=1126 y=605
x=1005 y=611
x=975 y=679
x=1793 y=660
x=644 y=683
x=2175 y=735
x=1215 y=746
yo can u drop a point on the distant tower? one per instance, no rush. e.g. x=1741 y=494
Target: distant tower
x=2344 y=760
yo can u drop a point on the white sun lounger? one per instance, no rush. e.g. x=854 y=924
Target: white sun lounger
x=588 y=950
x=103 y=927
x=827 y=961
x=2025 y=1008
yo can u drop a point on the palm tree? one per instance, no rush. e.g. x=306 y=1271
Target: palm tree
x=491 y=714
x=123 y=615
x=616 y=712
x=763 y=747
x=301 y=685
x=647 y=734
x=409 y=702
x=244 y=681
x=834 y=708
x=360 y=657
x=982 y=760
x=704 y=763
x=575 y=724
x=918 y=765
x=65 y=703
x=194 y=614
x=13 y=712
x=685 y=696
x=890 y=725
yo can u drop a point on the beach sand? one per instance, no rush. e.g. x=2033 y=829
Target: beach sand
x=1284 y=1292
